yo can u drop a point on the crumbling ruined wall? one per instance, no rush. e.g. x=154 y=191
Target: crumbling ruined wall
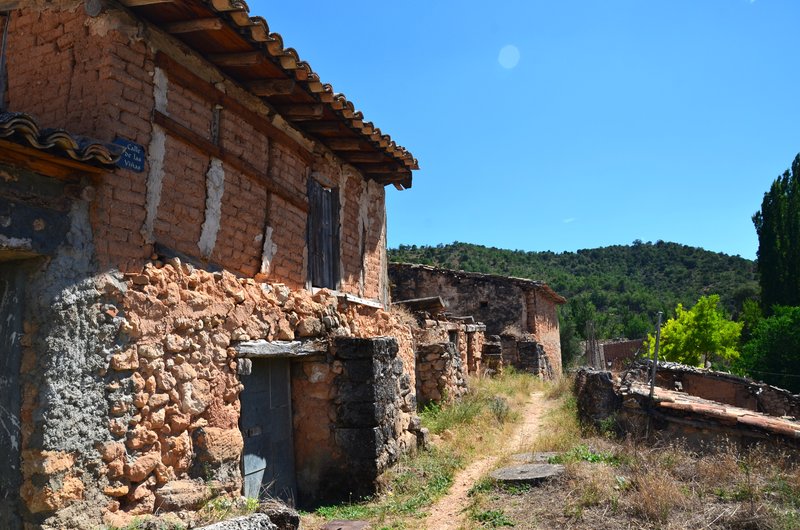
x=497 y=304
x=542 y=314
x=441 y=374
x=512 y=308
x=625 y=406
x=724 y=388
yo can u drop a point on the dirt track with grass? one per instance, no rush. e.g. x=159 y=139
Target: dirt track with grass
x=448 y=512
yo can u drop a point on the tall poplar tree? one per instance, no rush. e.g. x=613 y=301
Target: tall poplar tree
x=778 y=228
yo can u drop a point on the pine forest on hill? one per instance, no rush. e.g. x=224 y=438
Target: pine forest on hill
x=620 y=287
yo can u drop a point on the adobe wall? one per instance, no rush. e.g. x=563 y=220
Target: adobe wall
x=186 y=201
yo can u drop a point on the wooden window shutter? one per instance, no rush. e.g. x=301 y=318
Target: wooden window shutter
x=323 y=235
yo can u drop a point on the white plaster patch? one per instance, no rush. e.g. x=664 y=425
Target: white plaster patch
x=215 y=187
x=160 y=87
x=156 y=152
x=268 y=252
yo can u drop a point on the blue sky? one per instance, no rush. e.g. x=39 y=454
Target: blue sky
x=621 y=119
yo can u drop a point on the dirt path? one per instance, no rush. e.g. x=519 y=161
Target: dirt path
x=447 y=513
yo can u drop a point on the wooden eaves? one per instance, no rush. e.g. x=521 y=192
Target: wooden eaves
x=243 y=48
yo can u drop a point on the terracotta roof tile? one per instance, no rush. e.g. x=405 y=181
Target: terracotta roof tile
x=398 y=163
x=22 y=128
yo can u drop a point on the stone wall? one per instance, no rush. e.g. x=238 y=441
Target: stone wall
x=440 y=373
x=149 y=409
x=625 y=406
x=447 y=351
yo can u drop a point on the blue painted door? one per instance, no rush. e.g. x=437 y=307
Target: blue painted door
x=11 y=285
x=266 y=423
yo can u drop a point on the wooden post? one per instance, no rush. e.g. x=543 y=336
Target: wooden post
x=655 y=358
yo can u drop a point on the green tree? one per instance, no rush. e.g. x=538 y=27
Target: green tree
x=699 y=335
x=773 y=353
x=778 y=228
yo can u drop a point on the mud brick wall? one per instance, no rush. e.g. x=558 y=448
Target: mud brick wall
x=621 y=354
x=100 y=76
x=441 y=375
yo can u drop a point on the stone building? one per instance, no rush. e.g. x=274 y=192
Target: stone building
x=194 y=304
x=522 y=312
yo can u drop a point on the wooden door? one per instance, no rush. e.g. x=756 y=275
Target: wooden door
x=266 y=424
x=11 y=287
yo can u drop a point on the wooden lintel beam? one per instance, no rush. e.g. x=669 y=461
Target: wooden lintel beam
x=301 y=110
x=191 y=26
x=237 y=59
x=139 y=3
x=343 y=144
x=271 y=87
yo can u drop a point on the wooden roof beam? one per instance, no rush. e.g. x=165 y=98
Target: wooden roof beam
x=237 y=59
x=365 y=157
x=295 y=111
x=271 y=87
x=382 y=169
x=192 y=26
x=343 y=144
x=317 y=127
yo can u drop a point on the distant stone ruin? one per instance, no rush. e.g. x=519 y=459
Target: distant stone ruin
x=700 y=407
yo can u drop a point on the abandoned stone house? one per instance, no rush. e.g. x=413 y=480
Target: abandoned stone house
x=522 y=312
x=195 y=303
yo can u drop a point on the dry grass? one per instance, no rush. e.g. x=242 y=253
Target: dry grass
x=404 y=315
x=657 y=496
x=615 y=484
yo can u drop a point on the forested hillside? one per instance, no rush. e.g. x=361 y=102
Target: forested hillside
x=619 y=287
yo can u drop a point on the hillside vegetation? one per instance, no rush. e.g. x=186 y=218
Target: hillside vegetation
x=620 y=288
